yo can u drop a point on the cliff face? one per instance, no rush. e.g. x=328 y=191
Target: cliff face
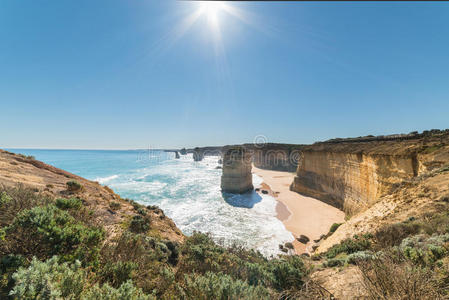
x=236 y=177
x=354 y=175
x=278 y=157
x=351 y=181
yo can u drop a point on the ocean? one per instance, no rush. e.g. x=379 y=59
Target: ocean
x=188 y=192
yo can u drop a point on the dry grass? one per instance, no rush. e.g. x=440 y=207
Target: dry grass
x=391 y=277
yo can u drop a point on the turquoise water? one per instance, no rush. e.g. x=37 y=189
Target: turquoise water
x=188 y=192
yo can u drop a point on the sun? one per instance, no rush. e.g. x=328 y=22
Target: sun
x=211 y=10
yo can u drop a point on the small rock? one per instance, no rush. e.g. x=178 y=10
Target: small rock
x=305 y=255
x=264 y=192
x=284 y=250
x=315 y=246
x=303 y=239
x=281 y=246
x=289 y=245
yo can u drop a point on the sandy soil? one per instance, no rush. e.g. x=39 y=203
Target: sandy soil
x=300 y=214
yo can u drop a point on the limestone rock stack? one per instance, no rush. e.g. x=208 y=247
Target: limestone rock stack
x=236 y=177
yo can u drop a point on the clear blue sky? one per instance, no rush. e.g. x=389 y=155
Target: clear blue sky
x=127 y=73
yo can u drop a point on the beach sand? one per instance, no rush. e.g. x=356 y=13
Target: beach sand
x=300 y=214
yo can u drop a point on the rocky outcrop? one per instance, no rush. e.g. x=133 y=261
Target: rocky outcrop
x=236 y=177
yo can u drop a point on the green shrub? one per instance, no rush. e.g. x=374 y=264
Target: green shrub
x=117 y=273
x=335 y=262
x=393 y=234
x=360 y=256
x=349 y=246
x=47 y=231
x=127 y=291
x=74 y=186
x=424 y=250
x=139 y=224
x=8 y=266
x=334 y=227
x=16 y=199
x=219 y=286
x=115 y=205
x=49 y=280
x=288 y=272
x=4 y=198
x=141 y=211
x=72 y=203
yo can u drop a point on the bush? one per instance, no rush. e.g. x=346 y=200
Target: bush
x=392 y=277
x=47 y=231
x=393 y=234
x=139 y=224
x=117 y=273
x=288 y=272
x=127 y=291
x=115 y=205
x=49 y=280
x=72 y=203
x=349 y=246
x=219 y=286
x=424 y=250
x=8 y=266
x=334 y=227
x=335 y=262
x=16 y=199
x=360 y=256
x=74 y=186
x=141 y=211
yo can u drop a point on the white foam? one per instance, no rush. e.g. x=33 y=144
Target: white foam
x=103 y=180
x=189 y=193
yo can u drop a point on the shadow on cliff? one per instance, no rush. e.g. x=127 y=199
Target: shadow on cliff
x=247 y=200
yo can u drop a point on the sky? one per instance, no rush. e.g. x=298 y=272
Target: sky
x=126 y=74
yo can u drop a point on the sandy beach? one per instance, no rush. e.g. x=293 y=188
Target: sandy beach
x=300 y=214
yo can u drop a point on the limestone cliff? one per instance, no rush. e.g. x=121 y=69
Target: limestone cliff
x=236 y=177
x=354 y=174
x=278 y=157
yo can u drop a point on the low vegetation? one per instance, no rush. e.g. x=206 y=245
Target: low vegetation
x=74 y=186
x=407 y=260
x=54 y=249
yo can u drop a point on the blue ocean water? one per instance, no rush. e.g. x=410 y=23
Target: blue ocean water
x=187 y=191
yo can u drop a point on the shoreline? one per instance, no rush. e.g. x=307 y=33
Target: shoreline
x=300 y=215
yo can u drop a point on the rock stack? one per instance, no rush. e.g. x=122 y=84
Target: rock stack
x=236 y=177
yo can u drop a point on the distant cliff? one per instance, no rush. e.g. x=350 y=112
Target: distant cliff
x=278 y=157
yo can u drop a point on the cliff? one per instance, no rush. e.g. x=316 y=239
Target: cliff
x=277 y=157
x=236 y=177
x=353 y=174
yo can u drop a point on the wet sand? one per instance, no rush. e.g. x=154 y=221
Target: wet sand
x=301 y=215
